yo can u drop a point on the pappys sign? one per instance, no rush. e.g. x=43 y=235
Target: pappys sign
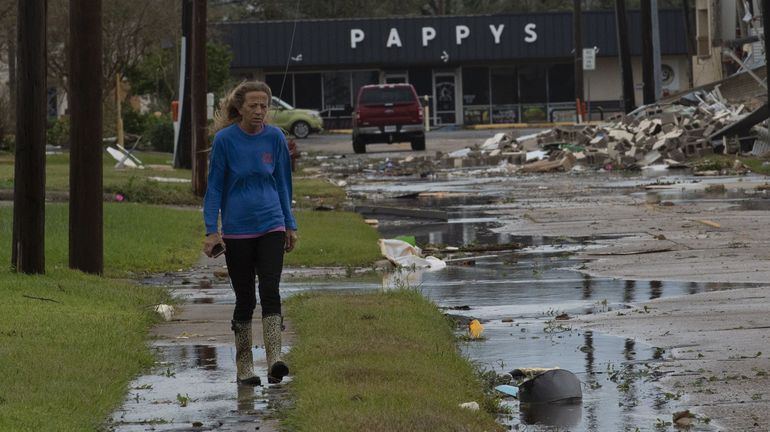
x=431 y=40
x=446 y=40
x=399 y=41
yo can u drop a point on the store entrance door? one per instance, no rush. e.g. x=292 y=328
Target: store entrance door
x=444 y=107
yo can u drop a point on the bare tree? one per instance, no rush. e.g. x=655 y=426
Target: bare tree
x=130 y=30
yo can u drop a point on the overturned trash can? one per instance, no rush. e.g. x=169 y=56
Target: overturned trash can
x=555 y=385
x=551 y=398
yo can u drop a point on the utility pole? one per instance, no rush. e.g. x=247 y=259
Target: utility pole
x=28 y=248
x=86 y=238
x=766 y=25
x=690 y=38
x=182 y=156
x=657 y=67
x=621 y=20
x=119 y=109
x=577 y=34
x=198 y=106
x=12 y=65
x=648 y=74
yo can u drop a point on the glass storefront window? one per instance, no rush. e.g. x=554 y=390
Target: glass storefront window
x=276 y=82
x=532 y=83
x=307 y=91
x=505 y=89
x=505 y=113
x=561 y=83
x=362 y=78
x=476 y=86
x=337 y=97
x=534 y=112
x=475 y=114
x=476 y=95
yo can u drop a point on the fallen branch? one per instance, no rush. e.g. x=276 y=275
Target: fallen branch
x=40 y=298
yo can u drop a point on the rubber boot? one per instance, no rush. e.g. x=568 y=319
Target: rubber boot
x=244 y=362
x=271 y=328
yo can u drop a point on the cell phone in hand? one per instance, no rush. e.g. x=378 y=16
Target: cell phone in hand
x=218 y=250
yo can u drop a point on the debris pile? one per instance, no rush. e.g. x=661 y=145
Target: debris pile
x=669 y=134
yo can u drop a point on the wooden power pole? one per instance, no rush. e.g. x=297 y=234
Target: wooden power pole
x=624 y=49
x=577 y=34
x=648 y=68
x=198 y=100
x=766 y=26
x=182 y=156
x=86 y=240
x=28 y=248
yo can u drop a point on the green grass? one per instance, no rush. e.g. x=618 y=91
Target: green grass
x=133 y=183
x=313 y=192
x=333 y=239
x=725 y=162
x=58 y=168
x=137 y=238
x=379 y=362
x=66 y=363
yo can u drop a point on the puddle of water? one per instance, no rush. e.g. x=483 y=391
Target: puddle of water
x=192 y=385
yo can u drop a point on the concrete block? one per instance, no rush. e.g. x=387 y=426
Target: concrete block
x=651 y=158
x=659 y=144
x=677 y=155
x=621 y=135
x=668 y=118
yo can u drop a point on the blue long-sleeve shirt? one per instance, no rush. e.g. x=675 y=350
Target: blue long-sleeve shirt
x=249 y=182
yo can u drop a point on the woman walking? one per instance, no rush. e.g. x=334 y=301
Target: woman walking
x=249 y=184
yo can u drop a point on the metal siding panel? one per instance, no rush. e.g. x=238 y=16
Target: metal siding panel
x=327 y=42
x=410 y=37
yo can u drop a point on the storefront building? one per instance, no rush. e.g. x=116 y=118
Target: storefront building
x=472 y=69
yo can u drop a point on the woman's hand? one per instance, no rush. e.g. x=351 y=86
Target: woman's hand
x=212 y=240
x=291 y=240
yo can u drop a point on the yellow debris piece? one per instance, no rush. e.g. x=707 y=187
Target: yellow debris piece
x=475 y=328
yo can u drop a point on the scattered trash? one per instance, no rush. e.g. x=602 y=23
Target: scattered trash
x=554 y=385
x=708 y=223
x=169 y=179
x=683 y=419
x=165 y=311
x=124 y=157
x=520 y=373
x=403 y=254
x=508 y=390
x=475 y=329
x=473 y=406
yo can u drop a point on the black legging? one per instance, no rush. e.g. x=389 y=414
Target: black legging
x=261 y=257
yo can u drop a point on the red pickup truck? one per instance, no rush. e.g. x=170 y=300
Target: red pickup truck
x=388 y=113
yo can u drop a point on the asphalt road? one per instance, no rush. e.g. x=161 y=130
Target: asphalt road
x=444 y=140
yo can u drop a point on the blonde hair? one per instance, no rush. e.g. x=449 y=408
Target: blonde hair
x=227 y=113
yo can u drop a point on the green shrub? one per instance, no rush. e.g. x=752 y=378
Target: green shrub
x=161 y=136
x=8 y=142
x=134 y=122
x=58 y=133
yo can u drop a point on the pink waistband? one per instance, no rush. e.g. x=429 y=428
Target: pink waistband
x=250 y=236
